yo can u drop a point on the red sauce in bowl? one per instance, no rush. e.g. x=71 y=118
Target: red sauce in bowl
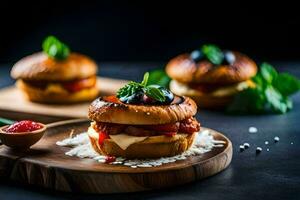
x=23 y=126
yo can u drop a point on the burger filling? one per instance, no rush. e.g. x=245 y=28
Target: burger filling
x=210 y=89
x=63 y=86
x=109 y=130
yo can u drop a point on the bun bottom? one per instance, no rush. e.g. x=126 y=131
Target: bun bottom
x=152 y=147
x=217 y=100
x=57 y=97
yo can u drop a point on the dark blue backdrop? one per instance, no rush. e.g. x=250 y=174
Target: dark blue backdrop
x=139 y=30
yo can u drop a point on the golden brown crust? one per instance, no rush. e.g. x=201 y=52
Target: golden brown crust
x=58 y=97
x=152 y=147
x=39 y=66
x=109 y=109
x=183 y=69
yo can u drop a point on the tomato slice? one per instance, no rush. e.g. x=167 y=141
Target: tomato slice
x=102 y=137
x=77 y=85
x=190 y=126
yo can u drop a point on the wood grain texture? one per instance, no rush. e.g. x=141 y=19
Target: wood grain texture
x=46 y=165
x=11 y=99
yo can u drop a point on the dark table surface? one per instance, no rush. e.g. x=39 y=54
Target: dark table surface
x=273 y=174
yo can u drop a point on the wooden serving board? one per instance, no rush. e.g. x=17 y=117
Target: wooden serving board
x=46 y=165
x=11 y=99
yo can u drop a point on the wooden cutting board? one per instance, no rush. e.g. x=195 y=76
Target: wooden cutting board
x=46 y=165
x=11 y=99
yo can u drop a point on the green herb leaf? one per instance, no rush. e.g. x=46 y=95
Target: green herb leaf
x=213 y=53
x=129 y=89
x=155 y=93
x=277 y=102
x=286 y=84
x=132 y=88
x=248 y=101
x=4 y=121
x=159 y=77
x=56 y=49
x=145 y=79
x=270 y=94
x=268 y=72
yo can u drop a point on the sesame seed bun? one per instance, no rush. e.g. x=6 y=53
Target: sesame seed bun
x=110 y=109
x=39 y=66
x=183 y=69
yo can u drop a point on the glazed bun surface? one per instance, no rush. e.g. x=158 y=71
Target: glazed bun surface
x=39 y=66
x=58 y=97
x=183 y=69
x=110 y=109
x=152 y=147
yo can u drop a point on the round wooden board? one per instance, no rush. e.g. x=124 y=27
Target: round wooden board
x=46 y=165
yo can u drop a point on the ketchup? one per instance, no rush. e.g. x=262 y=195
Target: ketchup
x=110 y=159
x=23 y=126
x=102 y=137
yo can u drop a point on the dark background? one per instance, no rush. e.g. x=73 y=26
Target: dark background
x=149 y=30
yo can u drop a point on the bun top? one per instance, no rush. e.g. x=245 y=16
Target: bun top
x=184 y=69
x=110 y=109
x=39 y=66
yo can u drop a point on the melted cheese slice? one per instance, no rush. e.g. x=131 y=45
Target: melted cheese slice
x=182 y=89
x=124 y=141
x=55 y=88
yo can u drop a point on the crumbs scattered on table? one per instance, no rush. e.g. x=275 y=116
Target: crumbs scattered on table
x=242 y=147
x=266 y=142
x=246 y=145
x=258 y=150
x=252 y=129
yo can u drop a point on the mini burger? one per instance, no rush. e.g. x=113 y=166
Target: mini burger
x=142 y=121
x=56 y=75
x=211 y=76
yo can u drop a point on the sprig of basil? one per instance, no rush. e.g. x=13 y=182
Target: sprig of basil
x=213 y=53
x=134 y=87
x=159 y=77
x=56 y=49
x=155 y=93
x=271 y=94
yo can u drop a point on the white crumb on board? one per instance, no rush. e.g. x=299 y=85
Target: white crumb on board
x=82 y=148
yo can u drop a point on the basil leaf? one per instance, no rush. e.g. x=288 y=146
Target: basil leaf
x=270 y=94
x=129 y=89
x=159 y=77
x=155 y=93
x=145 y=79
x=213 y=54
x=286 y=84
x=268 y=72
x=56 y=49
x=248 y=101
x=277 y=102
